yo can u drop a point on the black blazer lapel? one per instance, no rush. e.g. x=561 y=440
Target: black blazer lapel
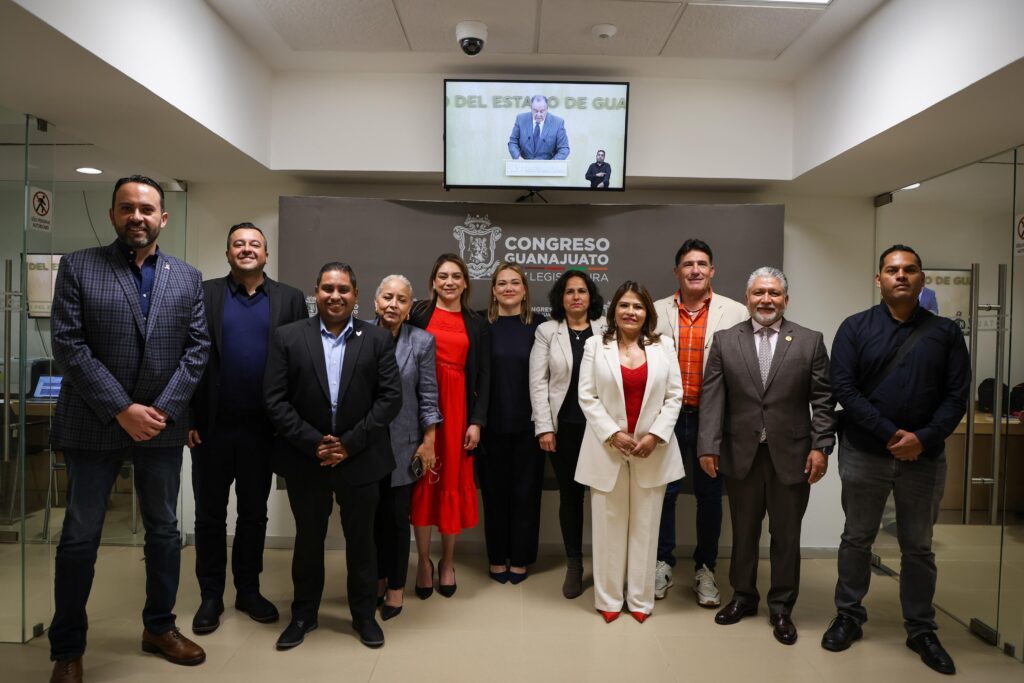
x=316 y=355
x=271 y=288
x=127 y=281
x=215 y=314
x=782 y=345
x=348 y=365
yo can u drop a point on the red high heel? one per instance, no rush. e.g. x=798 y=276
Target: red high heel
x=609 y=617
x=640 y=616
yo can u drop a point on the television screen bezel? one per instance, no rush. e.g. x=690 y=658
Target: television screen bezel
x=528 y=187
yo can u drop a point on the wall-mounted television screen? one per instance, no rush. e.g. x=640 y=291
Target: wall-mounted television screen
x=535 y=134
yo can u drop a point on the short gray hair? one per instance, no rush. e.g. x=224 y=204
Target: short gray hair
x=539 y=98
x=769 y=271
x=401 y=278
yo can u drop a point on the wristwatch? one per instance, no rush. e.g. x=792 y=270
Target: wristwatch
x=827 y=450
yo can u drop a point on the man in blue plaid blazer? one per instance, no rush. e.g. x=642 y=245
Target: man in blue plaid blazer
x=129 y=331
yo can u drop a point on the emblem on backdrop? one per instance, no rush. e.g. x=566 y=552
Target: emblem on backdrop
x=477 y=241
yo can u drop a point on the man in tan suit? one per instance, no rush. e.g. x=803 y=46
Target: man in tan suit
x=690 y=318
x=756 y=428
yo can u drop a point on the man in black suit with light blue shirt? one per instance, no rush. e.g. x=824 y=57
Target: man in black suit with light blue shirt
x=332 y=388
x=130 y=333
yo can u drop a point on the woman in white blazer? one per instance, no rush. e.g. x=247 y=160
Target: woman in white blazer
x=559 y=422
x=631 y=392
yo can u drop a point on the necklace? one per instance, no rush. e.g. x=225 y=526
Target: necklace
x=578 y=334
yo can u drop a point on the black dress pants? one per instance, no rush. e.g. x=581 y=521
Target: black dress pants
x=392 y=533
x=570 y=492
x=511 y=472
x=749 y=498
x=311 y=493
x=237 y=451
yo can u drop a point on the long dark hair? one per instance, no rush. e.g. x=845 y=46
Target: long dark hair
x=650 y=320
x=457 y=260
x=557 y=295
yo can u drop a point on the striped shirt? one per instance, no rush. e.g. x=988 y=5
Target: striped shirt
x=691 y=349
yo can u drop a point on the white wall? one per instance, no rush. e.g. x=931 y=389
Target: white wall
x=906 y=57
x=829 y=250
x=183 y=52
x=677 y=128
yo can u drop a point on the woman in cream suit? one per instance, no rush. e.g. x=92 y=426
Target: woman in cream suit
x=631 y=392
x=559 y=423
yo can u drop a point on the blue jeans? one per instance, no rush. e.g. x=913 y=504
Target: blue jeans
x=708 y=492
x=917 y=488
x=91 y=475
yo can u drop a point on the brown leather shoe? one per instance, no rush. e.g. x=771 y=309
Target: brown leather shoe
x=733 y=612
x=173 y=647
x=69 y=671
x=783 y=628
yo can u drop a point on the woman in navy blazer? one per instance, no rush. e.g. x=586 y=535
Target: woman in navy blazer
x=412 y=437
x=510 y=465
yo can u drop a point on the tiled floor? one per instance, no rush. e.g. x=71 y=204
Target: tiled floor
x=972 y=561
x=491 y=632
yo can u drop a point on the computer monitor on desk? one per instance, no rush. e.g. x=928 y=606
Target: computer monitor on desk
x=45 y=380
x=47 y=388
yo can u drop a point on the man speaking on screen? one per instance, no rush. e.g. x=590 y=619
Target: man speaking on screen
x=538 y=134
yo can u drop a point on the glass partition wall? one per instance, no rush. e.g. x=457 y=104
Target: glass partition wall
x=26 y=227
x=968 y=226
x=46 y=212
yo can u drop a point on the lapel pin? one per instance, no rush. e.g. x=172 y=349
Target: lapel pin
x=167 y=266
x=359 y=333
x=789 y=338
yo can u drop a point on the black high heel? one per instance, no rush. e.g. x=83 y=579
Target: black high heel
x=425 y=592
x=446 y=590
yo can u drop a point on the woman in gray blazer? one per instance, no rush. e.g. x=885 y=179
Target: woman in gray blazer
x=577 y=308
x=412 y=437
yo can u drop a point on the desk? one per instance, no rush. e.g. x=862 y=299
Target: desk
x=1011 y=474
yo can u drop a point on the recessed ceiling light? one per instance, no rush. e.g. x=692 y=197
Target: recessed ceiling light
x=89 y=170
x=912 y=186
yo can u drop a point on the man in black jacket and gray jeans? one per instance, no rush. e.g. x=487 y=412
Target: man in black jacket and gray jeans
x=903 y=377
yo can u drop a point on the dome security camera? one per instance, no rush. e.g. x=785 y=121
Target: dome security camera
x=471 y=36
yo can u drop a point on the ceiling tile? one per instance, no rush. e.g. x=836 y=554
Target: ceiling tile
x=330 y=25
x=738 y=31
x=430 y=24
x=643 y=27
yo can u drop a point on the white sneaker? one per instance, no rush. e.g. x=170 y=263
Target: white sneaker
x=662 y=579
x=705 y=587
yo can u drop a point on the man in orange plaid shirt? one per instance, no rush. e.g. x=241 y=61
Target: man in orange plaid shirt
x=691 y=316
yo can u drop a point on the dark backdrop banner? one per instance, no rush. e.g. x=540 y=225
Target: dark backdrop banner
x=612 y=243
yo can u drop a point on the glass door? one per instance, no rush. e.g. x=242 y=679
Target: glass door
x=960 y=224
x=27 y=213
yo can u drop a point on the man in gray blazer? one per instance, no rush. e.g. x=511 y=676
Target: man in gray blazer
x=537 y=134
x=130 y=333
x=767 y=424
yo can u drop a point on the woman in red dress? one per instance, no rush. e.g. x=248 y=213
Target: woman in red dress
x=446 y=496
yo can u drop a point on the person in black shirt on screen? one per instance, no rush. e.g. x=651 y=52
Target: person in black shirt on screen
x=599 y=172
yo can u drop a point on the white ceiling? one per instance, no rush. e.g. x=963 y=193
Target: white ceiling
x=699 y=38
